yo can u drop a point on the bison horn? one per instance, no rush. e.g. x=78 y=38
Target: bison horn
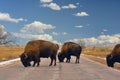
x=57 y=46
x=26 y=56
x=111 y=56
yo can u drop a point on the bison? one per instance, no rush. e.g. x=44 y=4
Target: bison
x=70 y=49
x=114 y=56
x=36 y=49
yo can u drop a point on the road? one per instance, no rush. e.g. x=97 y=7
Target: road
x=86 y=70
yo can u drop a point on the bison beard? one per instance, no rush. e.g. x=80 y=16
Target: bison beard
x=69 y=49
x=25 y=60
x=111 y=59
x=36 y=49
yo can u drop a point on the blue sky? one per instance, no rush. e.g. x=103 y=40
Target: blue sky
x=97 y=22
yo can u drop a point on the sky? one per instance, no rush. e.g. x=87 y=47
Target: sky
x=96 y=22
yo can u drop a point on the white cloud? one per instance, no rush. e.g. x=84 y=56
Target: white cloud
x=55 y=33
x=81 y=14
x=55 y=6
x=64 y=33
x=77 y=3
x=46 y=37
x=90 y=41
x=3 y=33
x=105 y=30
x=80 y=26
x=46 y=1
x=72 y=6
x=34 y=37
x=7 y=17
x=81 y=42
x=36 y=27
x=59 y=33
x=52 y=6
x=101 y=40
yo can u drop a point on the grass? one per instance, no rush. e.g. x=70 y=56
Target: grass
x=100 y=51
x=10 y=52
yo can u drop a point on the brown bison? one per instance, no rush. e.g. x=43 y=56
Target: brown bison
x=114 y=56
x=36 y=49
x=70 y=49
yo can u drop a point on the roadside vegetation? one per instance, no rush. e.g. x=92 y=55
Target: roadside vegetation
x=11 y=52
x=100 y=51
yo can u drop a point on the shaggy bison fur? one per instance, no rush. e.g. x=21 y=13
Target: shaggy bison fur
x=69 y=49
x=114 y=56
x=36 y=49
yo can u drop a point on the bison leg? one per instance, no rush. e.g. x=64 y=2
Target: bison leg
x=77 y=59
x=37 y=60
x=53 y=58
x=55 y=61
x=68 y=59
x=51 y=61
x=34 y=64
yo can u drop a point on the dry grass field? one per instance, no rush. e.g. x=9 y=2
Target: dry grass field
x=98 y=54
x=11 y=52
x=100 y=51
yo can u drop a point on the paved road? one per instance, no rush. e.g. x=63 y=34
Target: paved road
x=86 y=70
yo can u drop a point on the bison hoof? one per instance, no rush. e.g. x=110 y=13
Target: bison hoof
x=50 y=65
x=54 y=64
x=38 y=65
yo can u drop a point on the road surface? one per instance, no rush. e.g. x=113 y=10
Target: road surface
x=86 y=70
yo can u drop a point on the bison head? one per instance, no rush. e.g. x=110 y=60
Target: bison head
x=110 y=61
x=61 y=57
x=25 y=61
